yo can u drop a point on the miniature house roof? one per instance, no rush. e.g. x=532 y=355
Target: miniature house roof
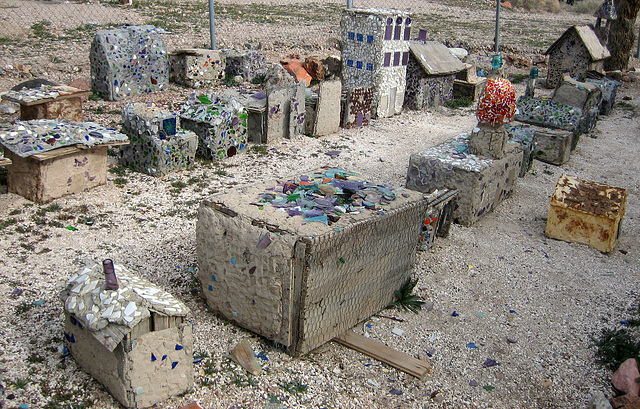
x=110 y=315
x=607 y=11
x=588 y=37
x=435 y=58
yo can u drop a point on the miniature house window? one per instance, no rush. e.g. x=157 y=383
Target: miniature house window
x=369 y=39
x=359 y=65
x=405 y=58
x=349 y=63
x=387 y=59
x=389 y=29
x=369 y=66
x=352 y=36
x=360 y=37
x=396 y=58
x=398 y=31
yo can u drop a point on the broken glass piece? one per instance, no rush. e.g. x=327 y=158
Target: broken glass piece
x=264 y=241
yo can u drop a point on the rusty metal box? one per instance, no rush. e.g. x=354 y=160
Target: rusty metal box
x=299 y=282
x=586 y=212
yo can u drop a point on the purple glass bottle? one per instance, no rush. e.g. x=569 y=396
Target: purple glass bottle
x=110 y=274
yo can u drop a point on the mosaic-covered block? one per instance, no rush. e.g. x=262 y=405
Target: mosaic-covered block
x=608 y=87
x=49 y=102
x=135 y=340
x=220 y=123
x=248 y=64
x=196 y=67
x=375 y=54
x=324 y=251
x=256 y=104
x=128 y=61
x=357 y=107
x=551 y=114
x=47 y=160
x=586 y=212
x=523 y=134
x=157 y=147
x=482 y=182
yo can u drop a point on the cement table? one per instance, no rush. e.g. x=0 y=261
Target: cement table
x=49 y=102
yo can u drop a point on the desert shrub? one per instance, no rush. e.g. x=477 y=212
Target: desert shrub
x=583 y=7
x=552 y=6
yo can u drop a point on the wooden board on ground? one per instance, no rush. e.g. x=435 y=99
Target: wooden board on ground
x=406 y=363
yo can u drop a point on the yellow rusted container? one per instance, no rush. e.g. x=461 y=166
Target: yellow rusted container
x=586 y=212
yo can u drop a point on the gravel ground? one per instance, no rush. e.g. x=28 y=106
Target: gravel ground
x=502 y=277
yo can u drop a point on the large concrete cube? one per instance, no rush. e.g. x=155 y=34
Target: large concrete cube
x=196 y=67
x=135 y=340
x=524 y=134
x=293 y=279
x=157 y=147
x=586 y=212
x=482 y=182
x=128 y=61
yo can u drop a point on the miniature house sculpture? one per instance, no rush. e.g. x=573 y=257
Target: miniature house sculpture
x=577 y=51
x=375 y=55
x=431 y=73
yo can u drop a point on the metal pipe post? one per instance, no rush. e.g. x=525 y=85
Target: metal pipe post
x=497 y=39
x=349 y=4
x=212 y=25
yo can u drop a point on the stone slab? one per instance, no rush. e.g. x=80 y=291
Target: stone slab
x=327 y=113
x=301 y=282
x=279 y=112
x=482 y=182
x=297 y=111
x=549 y=114
x=586 y=212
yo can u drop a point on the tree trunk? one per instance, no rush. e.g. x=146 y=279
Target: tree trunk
x=622 y=34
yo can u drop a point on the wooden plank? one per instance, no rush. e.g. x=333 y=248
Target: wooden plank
x=399 y=360
x=55 y=153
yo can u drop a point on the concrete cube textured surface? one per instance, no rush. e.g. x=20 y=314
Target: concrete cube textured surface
x=586 y=212
x=311 y=281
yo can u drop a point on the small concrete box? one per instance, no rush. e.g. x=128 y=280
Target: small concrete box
x=482 y=182
x=313 y=281
x=57 y=173
x=136 y=340
x=196 y=67
x=586 y=212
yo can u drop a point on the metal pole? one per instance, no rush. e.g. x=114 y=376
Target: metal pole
x=638 y=51
x=349 y=4
x=212 y=25
x=497 y=43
